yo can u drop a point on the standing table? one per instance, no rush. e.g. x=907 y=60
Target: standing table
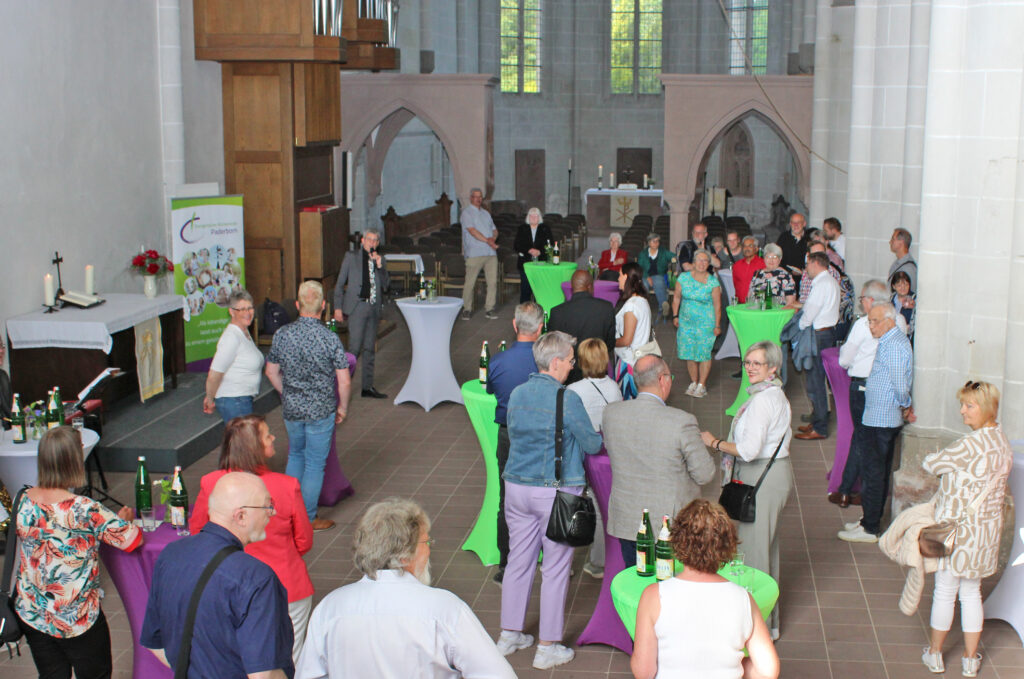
x=18 y=461
x=430 y=379
x=336 y=486
x=546 y=281
x=606 y=290
x=480 y=407
x=730 y=347
x=839 y=380
x=752 y=326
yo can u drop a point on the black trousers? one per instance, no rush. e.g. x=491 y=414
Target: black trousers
x=502 y=453
x=878 y=444
x=88 y=654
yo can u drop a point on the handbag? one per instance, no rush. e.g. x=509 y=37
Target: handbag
x=937 y=540
x=573 y=518
x=740 y=500
x=10 y=626
x=650 y=348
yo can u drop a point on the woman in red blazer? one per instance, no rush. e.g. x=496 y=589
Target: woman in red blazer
x=247 y=445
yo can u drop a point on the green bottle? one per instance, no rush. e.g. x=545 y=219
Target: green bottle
x=54 y=413
x=179 y=503
x=665 y=561
x=423 y=287
x=645 y=547
x=554 y=254
x=485 y=360
x=768 y=297
x=503 y=346
x=144 y=496
x=18 y=421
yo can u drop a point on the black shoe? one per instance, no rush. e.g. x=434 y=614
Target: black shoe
x=738 y=375
x=499 y=576
x=373 y=393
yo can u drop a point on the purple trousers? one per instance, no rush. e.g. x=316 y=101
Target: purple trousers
x=527 y=509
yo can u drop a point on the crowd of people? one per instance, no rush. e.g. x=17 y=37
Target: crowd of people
x=594 y=383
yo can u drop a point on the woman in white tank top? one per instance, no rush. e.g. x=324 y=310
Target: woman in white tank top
x=698 y=623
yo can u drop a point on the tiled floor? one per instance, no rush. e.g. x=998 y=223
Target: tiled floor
x=838 y=601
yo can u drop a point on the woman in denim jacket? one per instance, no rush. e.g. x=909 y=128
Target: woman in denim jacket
x=530 y=488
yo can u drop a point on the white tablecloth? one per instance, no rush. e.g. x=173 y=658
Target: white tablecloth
x=629 y=193
x=417 y=260
x=18 y=465
x=74 y=328
x=430 y=379
x=730 y=346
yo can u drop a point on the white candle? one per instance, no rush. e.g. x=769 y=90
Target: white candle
x=570 y=163
x=645 y=180
x=611 y=180
x=90 y=279
x=48 y=298
x=600 y=170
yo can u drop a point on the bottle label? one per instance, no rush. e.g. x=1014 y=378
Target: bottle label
x=664 y=569
x=483 y=375
x=177 y=516
x=53 y=424
x=641 y=562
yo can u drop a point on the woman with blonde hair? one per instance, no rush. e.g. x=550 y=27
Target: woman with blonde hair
x=972 y=486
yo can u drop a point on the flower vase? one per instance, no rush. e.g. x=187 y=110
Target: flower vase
x=149 y=286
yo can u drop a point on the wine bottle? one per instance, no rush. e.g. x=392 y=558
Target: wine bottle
x=665 y=562
x=18 y=421
x=144 y=496
x=60 y=403
x=179 y=503
x=53 y=414
x=503 y=346
x=554 y=254
x=423 y=286
x=485 y=360
x=768 y=297
x=645 y=546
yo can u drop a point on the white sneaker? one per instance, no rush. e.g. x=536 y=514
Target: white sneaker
x=552 y=655
x=593 y=571
x=852 y=525
x=857 y=534
x=666 y=309
x=510 y=642
x=971 y=665
x=691 y=389
x=700 y=392
x=933 y=661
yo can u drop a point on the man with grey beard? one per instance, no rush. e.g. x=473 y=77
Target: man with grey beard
x=392 y=623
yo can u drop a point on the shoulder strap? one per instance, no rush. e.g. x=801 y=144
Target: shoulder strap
x=12 y=541
x=770 y=463
x=559 y=435
x=594 y=384
x=181 y=667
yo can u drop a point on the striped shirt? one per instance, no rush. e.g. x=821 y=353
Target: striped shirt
x=888 y=385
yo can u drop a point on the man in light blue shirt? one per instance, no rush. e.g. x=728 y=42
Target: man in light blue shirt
x=480 y=249
x=886 y=406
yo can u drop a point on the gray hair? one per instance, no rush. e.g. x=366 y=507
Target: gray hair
x=529 y=317
x=903 y=235
x=772 y=353
x=533 y=211
x=653 y=236
x=888 y=310
x=239 y=295
x=552 y=345
x=650 y=372
x=311 y=296
x=387 y=535
x=372 y=231
x=615 y=235
x=751 y=238
x=772 y=249
x=476 y=189
x=876 y=290
x=701 y=251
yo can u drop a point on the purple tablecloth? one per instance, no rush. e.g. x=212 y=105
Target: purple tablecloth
x=606 y=290
x=132 y=574
x=605 y=626
x=336 y=486
x=839 y=380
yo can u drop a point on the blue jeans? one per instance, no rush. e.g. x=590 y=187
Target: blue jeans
x=230 y=407
x=876 y=445
x=660 y=285
x=309 y=442
x=814 y=383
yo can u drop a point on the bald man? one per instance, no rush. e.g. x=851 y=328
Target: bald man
x=584 y=316
x=242 y=627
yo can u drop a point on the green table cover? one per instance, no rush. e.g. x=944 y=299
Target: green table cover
x=752 y=326
x=546 y=280
x=628 y=586
x=480 y=406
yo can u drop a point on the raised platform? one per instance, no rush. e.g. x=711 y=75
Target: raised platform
x=170 y=429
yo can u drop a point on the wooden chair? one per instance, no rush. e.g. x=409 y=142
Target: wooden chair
x=510 y=272
x=451 y=273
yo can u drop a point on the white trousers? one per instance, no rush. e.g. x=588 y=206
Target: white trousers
x=299 y=612
x=944 y=597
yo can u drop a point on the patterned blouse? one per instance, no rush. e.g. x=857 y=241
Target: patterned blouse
x=780 y=281
x=58 y=562
x=964 y=469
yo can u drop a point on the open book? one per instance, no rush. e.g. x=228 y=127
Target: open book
x=81 y=299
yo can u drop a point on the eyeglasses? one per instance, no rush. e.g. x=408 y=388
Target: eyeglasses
x=429 y=542
x=243 y=309
x=753 y=364
x=572 y=361
x=670 y=376
x=270 y=509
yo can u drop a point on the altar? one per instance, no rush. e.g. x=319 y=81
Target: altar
x=616 y=208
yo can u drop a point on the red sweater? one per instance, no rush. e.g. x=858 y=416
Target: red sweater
x=606 y=263
x=289 y=533
x=742 y=273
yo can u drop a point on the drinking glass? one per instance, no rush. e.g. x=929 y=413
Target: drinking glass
x=78 y=423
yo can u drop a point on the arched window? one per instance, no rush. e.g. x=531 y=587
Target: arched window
x=635 y=46
x=520 y=46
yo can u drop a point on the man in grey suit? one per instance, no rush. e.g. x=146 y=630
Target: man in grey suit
x=658 y=459
x=358 y=296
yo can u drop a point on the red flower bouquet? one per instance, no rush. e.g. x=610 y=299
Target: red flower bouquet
x=151 y=263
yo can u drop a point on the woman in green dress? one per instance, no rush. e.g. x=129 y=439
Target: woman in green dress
x=697 y=312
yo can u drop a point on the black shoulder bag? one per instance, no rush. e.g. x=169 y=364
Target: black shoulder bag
x=10 y=628
x=185 y=650
x=740 y=500
x=573 y=518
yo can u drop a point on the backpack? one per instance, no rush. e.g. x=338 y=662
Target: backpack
x=274 y=317
x=847 y=296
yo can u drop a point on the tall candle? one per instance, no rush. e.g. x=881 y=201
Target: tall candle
x=645 y=180
x=611 y=180
x=600 y=170
x=90 y=279
x=48 y=298
x=570 y=163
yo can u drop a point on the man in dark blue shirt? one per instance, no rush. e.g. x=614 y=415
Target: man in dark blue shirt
x=242 y=628
x=508 y=370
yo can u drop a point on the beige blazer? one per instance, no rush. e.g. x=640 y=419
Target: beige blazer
x=658 y=462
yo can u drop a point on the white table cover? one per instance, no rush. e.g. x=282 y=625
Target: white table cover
x=658 y=193
x=417 y=260
x=430 y=379
x=18 y=465
x=74 y=328
x=730 y=345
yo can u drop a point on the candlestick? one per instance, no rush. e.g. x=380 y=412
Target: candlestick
x=48 y=297
x=90 y=279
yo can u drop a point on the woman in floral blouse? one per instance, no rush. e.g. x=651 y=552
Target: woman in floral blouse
x=58 y=590
x=774 y=277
